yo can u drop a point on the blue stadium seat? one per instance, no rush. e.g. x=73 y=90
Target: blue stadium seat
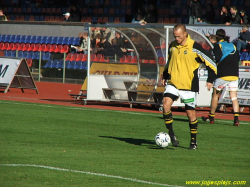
x=2 y=38
x=72 y=64
x=41 y=18
x=36 y=55
x=38 y=40
x=65 y=41
x=27 y=39
x=33 y=39
x=244 y=55
x=54 y=40
x=7 y=53
x=105 y=11
x=7 y=38
x=48 y=64
x=49 y=40
x=71 y=40
x=76 y=41
x=25 y=54
x=12 y=38
x=22 y=39
x=20 y=54
x=67 y=64
x=57 y=64
x=13 y=53
x=60 y=40
x=94 y=19
x=27 y=17
x=17 y=39
x=111 y=19
x=30 y=54
x=46 y=55
x=220 y=2
x=123 y=19
x=44 y=39
x=36 y=18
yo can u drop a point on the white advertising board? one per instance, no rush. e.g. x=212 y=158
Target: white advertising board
x=15 y=73
x=232 y=31
x=8 y=68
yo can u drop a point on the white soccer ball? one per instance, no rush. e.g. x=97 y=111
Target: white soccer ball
x=162 y=139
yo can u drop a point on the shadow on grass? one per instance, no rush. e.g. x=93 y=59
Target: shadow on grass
x=140 y=142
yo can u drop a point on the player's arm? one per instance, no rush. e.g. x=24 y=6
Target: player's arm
x=207 y=58
x=165 y=74
x=217 y=52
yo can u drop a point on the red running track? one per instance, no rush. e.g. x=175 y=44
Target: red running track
x=58 y=94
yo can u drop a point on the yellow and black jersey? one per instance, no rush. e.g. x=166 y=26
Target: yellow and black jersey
x=181 y=69
x=228 y=68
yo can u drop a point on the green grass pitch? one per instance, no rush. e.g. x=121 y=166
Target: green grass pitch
x=49 y=145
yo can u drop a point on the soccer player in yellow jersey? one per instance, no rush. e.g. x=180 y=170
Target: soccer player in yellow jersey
x=227 y=59
x=180 y=78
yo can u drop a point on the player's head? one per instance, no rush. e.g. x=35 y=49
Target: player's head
x=180 y=34
x=222 y=35
x=213 y=38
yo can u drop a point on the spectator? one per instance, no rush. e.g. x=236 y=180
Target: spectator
x=119 y=40
x=138 y=19
x=195 y=12
x=139 y=15
x=75 y=14
x=82 y=43
x=113 y=51
x=244 y=39
x=209 y=15
x=244 y=17
x=235 y=16
x=67 y=17
x=225 y=15
x=2 y=16
x=151 y=14
x=97 y=44
x=107 y=34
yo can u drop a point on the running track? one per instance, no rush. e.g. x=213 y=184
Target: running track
x=58 y=94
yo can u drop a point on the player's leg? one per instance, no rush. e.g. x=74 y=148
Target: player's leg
x=213 y=107
x=233 y=88
x=189 y=98
x=219 y=84
x=193 y=125
x=169 y=97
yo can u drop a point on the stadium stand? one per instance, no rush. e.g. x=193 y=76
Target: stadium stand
x=108 y=8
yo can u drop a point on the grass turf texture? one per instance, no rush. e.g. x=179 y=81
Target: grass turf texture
x=114 y=143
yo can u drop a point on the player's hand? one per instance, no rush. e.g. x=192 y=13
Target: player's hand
x=209 y=86
x=163 y=82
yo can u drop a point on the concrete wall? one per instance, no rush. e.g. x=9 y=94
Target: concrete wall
x=41 y=29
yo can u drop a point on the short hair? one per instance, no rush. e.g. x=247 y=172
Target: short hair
x=213 y=37
x=245 y=27
x=233 y=7
x=180 y=26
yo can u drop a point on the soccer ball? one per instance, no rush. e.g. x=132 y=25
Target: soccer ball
x=162 y=139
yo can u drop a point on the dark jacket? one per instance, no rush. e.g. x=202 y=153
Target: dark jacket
x=225 y=17
x=235 y=19
x=195 y=9
x=244 y=19
x=229 y=66
x=245 y=36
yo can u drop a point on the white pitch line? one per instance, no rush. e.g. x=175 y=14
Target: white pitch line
x=89 y=173
x=102 y=110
